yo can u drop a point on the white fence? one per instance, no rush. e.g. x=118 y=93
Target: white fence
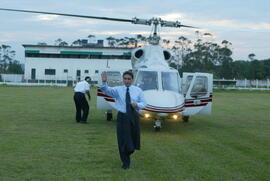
x=11 y=77
x=253 y=83
x=242 y=84
x=18 y=79
x=33 y=84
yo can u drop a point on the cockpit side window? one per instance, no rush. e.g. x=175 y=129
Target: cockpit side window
x=170 y=81
x=114 y=78
x=147 y=80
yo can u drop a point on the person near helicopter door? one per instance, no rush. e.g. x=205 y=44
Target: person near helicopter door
x=81 y=103
x=129 y=99
x=148 y=81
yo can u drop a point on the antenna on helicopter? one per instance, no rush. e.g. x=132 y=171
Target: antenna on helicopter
x=153 y=39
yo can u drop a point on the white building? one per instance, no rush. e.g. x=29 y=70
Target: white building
x=62 y=63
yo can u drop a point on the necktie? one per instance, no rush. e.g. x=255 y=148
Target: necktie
x=128 y=100
x=128 y=105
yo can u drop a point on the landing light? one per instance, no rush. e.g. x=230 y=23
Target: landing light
x=146 y=115
x=175 y=116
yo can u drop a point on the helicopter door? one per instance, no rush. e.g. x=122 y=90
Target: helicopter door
x=114 y=78
x=197 y=89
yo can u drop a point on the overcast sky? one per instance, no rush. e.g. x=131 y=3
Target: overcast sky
x=244 y=23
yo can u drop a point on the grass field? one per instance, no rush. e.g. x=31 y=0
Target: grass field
x=39 y=140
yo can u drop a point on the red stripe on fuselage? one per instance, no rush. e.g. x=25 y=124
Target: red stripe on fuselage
x=190 y=101
x=109 y=100
x=163 y=111
x=196 y=105
x=104 y=95
x=203 y=102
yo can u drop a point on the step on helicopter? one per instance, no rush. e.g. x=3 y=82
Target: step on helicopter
x=168 y=95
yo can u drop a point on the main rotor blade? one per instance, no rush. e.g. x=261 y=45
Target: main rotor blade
x=72 y=15
x=186 y=26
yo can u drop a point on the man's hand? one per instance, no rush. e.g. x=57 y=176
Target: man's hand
x=104 y=76
x=134 y=104
x=88 y=94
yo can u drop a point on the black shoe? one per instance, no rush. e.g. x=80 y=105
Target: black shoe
x=125 y=166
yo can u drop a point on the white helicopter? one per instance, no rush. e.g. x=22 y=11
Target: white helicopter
x=168 y=95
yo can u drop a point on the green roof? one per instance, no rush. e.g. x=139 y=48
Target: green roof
x=80 y=53
x=127 y=53
x=31 y=51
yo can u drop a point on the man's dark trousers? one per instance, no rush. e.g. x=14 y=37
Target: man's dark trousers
x=81 y=105
x=128 y=137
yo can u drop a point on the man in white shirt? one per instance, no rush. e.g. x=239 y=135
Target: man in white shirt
x=81 y=103
x=129 y=99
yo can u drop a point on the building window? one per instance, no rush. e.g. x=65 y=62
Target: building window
x=96 y=71
x=65 y=70
x=49 y=71
x=86 y=71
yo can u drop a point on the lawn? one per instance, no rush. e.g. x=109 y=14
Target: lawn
x=39 y=140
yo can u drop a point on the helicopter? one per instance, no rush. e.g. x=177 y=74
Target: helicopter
x=168 y=96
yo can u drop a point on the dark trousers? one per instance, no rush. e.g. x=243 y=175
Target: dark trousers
x=125 y=158
x=124 y=138
x=81 y=105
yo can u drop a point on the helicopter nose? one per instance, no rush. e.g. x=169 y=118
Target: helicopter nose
x=164 y=101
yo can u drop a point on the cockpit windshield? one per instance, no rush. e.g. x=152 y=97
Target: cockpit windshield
x=170 y=81
x=147 y=80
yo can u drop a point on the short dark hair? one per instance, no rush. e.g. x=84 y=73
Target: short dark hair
x=87 y=78
x=128 y=73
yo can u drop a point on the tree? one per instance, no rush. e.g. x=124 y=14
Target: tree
x=77 y=42
x=60 y=42
x=166 y=42
x=224 y=54
x=111 y=41
x=266 y=64
x=15 y=67
x=63 y=43
x=256 y=70
x=251 y=56
x=205 y=56
x=240 y=69
x=142 y=40
x=121 y=42
x=180 y=49
x=132 y=41
x=6 y=56
x=91 y=38
x=8 y=64
x=202 y=58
